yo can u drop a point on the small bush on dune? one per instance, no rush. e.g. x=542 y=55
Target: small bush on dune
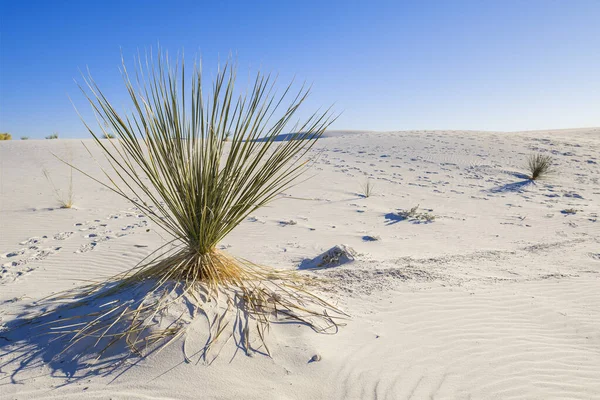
x=24 y=137
x=109 y=135
x=367 y=188
x=53 y=136
x=5 y=136
x=170 y=162
x=539 y=166
x=414 y=214
x=65 y=199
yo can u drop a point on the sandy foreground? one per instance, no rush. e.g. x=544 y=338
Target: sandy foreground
x=497 y=298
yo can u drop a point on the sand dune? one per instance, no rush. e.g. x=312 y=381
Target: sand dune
x=496 y=298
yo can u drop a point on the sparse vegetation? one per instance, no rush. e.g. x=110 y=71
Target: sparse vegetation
x=5 y=136
x=53 y=136
x=109 y=135
x=180 y=176
x=367 y=188
x=65 y=199
x=24 y=137
x=539 y=166
x=414 y=214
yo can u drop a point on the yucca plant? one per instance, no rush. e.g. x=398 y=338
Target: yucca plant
x=171 y=160
x=539 y=166
x=53 y=136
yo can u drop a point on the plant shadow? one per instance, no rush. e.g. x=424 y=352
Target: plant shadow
x=44 y=334
x=394 y=218
x=513 y=187
x=41 y=336
x=47 y=333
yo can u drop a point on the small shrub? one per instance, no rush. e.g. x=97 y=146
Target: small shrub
x=367 y=188
x=53 y=136
x=415 y=215
x=570 y=211
x=24 y=137
x=5 y=136
x=539 y=166
x=65 y=200
x=109 y=135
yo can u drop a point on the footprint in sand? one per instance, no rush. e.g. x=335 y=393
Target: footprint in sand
x=62 y=235
x=14 y=269
x=13 y=253
x=33 y=241
x=92 y=245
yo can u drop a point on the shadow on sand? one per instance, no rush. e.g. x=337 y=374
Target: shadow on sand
x=515 y=186
x=512 y=187
x=37 y=338
x=394 y=218
x=42 y=335
x=107 y=332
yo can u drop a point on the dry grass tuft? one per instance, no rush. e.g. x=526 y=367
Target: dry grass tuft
x=367 y=188
x=539 y=166
x=171 y=161
x=414 y=214
x=5 y=136
x=136 y=307
x=64 y=198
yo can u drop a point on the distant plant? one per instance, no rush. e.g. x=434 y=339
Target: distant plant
x=415 y=215
x=539 y=166
x=367 y=188
x=5 y=136
x=65 y=199
x=53 y=136
x=24 y=137
x=109 y=135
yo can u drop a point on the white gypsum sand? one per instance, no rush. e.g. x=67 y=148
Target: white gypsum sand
x=496 y=297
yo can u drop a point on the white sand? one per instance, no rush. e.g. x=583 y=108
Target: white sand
x=498 y=298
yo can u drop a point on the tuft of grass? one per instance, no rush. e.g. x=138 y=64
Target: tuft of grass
x=367 y=188
x=53 y=136
x=569 y=211
x=64 y=198
x=24 y=137
x=5 y=136
x=539 y=166
x=171 y=162
x=414 y=214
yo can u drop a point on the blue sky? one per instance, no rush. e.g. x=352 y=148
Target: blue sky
x=489 y=65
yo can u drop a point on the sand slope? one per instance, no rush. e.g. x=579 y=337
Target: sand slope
x=497 y=298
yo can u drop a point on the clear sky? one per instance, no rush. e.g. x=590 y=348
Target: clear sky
x=485 y=65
